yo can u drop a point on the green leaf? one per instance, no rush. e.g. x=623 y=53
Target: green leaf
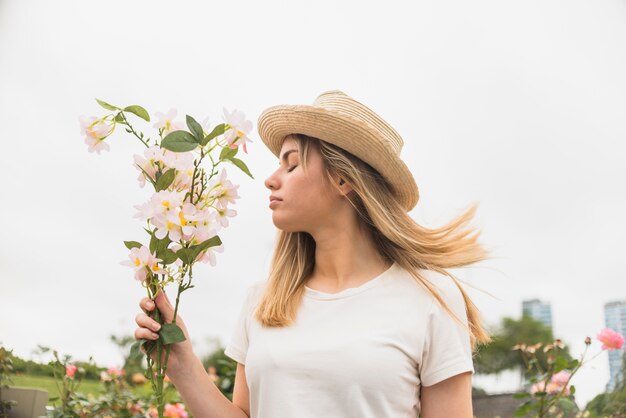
x=195 y=128
x=567 y=404
x=132 y=244
x=119 y=118
x=218 y=130
x=523 y=409
x=158 y=245
x=165 y=180
x=168 y=256
x=106 y=105
x=149 y=345
x=135 y=350
x=183 y=254
x=194 y=250
x=171 y=333
x=139 y=111
x=560 y=364
x=179 y=141
x=228 y=153
x=241 y=165
x=572 y=389
x=573 y=364
x=520 y=395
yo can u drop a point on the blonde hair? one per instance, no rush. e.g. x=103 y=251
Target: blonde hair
x=395 y=234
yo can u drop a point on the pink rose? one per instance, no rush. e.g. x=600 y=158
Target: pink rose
x=561 y=378
x=70 y=370
x=175 y=411
x=115 y=372
x=610 y=339
x=555 y=385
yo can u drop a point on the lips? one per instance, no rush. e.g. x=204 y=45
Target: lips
x=273 y=198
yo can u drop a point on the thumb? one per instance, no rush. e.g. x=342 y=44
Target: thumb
x=164 y=305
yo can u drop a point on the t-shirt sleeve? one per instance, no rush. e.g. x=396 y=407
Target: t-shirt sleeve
x=237 y=347
x=447 y=348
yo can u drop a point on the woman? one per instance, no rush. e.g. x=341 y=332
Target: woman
x=359 y=316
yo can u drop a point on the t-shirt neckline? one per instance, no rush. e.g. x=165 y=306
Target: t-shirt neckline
x=350 y=291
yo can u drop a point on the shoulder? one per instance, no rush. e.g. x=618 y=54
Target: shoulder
x=444 y=284
x=254 y=291
x=441 y=283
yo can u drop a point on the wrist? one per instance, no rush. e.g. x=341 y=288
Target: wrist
x=187 y=364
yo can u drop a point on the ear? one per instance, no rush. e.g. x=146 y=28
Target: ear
x=344 y=187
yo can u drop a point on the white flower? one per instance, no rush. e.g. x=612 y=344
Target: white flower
x=168 y=223
x=164 y=201
x=95 y=130
x=223 y=190
x=166 y=121
x=205 y=225
x=222 y=215
x=239 y=128
x=209 y=255
x=143 y=261
x=153 y=155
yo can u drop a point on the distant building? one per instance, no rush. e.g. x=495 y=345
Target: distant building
x=615 y=318
x=541 y=311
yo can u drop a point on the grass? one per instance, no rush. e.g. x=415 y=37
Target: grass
x=93 y=387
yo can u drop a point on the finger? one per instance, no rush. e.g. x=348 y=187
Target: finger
x=145 y=334
x=145 y=321
x=146 y=304
x=164 y=305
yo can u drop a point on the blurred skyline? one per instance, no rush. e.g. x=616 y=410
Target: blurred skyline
x=518 y=107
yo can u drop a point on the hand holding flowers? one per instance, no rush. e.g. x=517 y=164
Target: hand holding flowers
x=189 y=207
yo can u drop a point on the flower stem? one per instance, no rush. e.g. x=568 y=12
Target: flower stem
x=132 y=130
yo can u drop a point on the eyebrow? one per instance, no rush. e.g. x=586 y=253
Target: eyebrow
x=286 y=154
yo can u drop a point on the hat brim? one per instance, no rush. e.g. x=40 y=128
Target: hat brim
x=348 y=133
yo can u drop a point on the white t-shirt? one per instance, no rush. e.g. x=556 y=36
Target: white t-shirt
x=362 y=352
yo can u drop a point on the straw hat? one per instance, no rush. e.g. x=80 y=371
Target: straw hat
x=338 y=119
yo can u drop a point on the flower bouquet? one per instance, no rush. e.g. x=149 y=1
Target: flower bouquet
x=189 y=206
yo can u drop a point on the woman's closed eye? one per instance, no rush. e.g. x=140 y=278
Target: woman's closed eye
x=291 y=169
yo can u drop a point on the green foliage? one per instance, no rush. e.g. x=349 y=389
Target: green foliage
x=179 y=141
x=550 y=393
x=242 y=166
x=610 y=404
x=497 y=356
x=133 y=362
x=188 y=255
x=218 y=130
x=228 y=154
x=138 y=111
x=195 y=128
x=226 y=369
x=171 y=333
x=476 y=391
x=33 y=368
x=106 y=105
x=132 y=244
x=165 y=180
x=6 y=369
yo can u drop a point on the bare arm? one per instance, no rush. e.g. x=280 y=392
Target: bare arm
x=202 y=398
x=449 y=398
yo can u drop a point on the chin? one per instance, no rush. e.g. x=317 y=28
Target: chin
x=286 y=225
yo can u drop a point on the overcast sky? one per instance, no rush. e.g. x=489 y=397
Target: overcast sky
x=517 y=106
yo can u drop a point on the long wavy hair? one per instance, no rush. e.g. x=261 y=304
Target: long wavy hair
x=395 y=234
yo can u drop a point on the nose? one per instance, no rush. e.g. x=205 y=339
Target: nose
x=272 y=181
